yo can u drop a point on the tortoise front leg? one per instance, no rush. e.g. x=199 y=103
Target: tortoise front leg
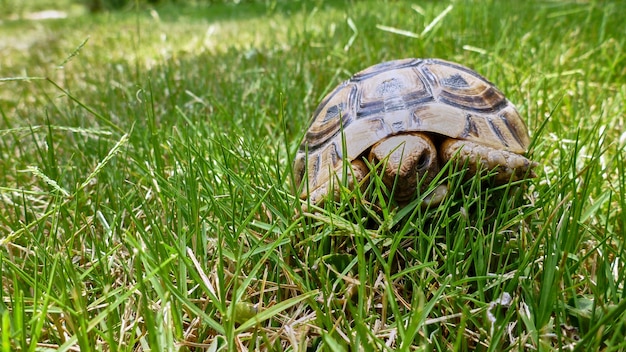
x=357 y=172
x=510 y=166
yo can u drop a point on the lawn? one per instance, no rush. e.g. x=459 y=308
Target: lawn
x=146 y=183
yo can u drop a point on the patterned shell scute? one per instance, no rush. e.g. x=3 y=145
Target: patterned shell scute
x=410 y=95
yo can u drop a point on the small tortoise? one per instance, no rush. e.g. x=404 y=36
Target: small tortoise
x=414 y=115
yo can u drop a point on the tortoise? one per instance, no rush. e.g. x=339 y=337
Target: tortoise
x=414 y=115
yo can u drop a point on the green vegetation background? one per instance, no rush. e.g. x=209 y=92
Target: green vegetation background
x=146 y=189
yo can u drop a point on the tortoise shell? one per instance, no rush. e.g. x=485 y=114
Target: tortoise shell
x=410 y=95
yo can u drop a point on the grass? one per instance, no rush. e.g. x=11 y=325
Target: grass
x=145 y=184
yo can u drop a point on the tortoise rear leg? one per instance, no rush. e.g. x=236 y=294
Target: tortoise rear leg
x=510 y=166
x=357 y=172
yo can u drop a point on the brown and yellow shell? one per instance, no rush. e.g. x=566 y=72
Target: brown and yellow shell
x=410 y=95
